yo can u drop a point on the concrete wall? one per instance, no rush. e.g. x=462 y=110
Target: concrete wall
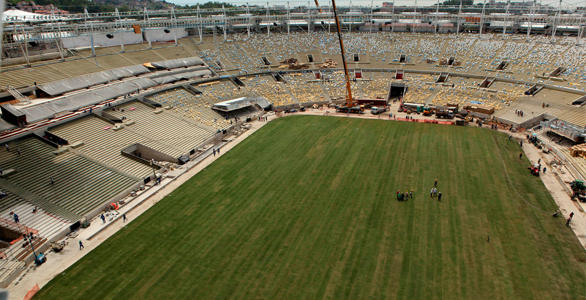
x=163 y=34
x=103 y=39
x=148 y=153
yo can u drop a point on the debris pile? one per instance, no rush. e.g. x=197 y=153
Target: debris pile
x=328 y=63
x=578 y=151
x=293 y=64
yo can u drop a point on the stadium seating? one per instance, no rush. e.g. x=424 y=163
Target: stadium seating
x=9 y=268
x=163 y=130
x=71 y=182
x=278 y=93
x=191 y=106
x=304 y=88
x=103 y=145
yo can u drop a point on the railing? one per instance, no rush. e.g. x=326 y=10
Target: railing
x=78 y=26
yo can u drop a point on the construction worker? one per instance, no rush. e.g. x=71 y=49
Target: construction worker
x=569 y=219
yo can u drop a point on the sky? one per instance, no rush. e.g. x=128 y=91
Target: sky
x=565 y=3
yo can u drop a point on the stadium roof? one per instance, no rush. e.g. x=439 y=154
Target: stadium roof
x=242 y=102
x=533 y=25
x=76 y=83
x=180 y=76
x=178 y=63
x=73 y=102
x=15 y=15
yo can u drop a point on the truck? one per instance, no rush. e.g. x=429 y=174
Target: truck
x=376 y=110
x=352 y=110
x=444 y=114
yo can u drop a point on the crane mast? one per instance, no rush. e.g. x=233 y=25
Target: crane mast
x=349 y=100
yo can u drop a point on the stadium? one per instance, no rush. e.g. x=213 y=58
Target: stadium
x=294 y=152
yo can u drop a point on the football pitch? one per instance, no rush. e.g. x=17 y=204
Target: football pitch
x=306 y=208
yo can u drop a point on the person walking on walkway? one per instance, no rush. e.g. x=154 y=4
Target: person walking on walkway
x=124 y=218
x=81 y=245
x=570 y=219
x=103 y=219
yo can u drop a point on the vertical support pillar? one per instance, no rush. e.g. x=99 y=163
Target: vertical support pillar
x=482 y=18
x=556 y=22
x=268 y=21
x=371 y=16
x=459 y=13
x=174 y=21
x=86 y=16
x=506 y=18
x=436 y=16
x=225 y=20
x=530 y=20
x=2 y=5
x=248 y=20
x=288 y=19
x=200 y=21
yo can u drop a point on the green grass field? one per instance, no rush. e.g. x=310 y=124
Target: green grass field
x=306 y=208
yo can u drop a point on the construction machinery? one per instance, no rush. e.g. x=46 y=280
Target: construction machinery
x=376 y=110
x=534 y=170
x=350 y=106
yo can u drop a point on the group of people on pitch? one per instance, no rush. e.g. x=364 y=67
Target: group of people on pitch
x=435 y=193
x=409 y=195
x=404 y=196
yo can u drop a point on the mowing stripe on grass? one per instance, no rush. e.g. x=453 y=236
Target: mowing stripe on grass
x=305 y=208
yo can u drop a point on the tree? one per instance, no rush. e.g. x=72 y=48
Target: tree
x=212 y=4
